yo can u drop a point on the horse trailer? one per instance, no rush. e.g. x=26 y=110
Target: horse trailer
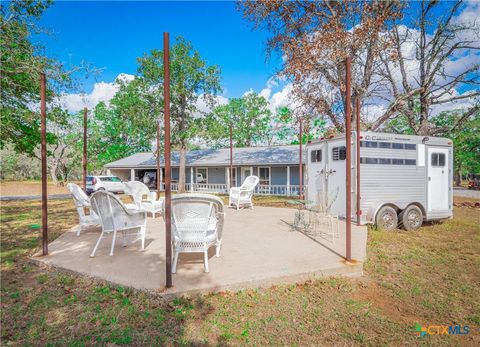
x=404 y=179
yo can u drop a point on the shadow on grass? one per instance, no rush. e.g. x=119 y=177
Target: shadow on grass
x=41 y=305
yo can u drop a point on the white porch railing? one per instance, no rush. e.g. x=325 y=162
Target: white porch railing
x=282 y=190
x=279 y=190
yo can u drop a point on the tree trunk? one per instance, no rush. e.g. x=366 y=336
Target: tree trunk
x=181 y=174
x=53 y=173
x=458 y=176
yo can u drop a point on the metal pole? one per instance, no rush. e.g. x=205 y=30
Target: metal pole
x=357 y=127
x=158 y=159
x=168 y=171
x=300 y=169
x=231 y=157
x=84 y=161
x=43 y=120
x=348 y=161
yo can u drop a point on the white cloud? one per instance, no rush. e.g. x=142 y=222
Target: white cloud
x=281 y=98
x=204 y=108
x=102 y=91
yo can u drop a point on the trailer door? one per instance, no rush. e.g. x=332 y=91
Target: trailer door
x=316 y=174
x=335 y=171
x=437 y=179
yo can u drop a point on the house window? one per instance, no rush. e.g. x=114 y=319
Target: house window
x=316 y=156
x=438 y=159
x=264 y=176
x=201 y=175
x=339 y=153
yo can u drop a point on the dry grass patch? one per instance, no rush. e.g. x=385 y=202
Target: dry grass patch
x=430 y=276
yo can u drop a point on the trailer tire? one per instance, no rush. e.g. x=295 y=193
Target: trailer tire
x=386 y=218
x=411 y=218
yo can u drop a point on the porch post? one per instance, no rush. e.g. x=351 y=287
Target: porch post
x=227 y=176
x=288 y=180
x=132 y=174
x=161 y=179
x=109 y=172
x=251 y=170
x=191 y=179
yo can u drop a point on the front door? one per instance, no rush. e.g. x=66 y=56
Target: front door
x=437 y=179
x=246 y=171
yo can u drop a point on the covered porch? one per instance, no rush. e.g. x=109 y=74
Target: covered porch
x=259 y=249
x=274 y=180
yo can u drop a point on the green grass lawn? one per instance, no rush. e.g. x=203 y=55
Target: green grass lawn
x=430 y=277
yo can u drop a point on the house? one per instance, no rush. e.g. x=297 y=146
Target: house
x=276 y=166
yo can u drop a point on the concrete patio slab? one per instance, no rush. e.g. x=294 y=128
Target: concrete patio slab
x=258 y=249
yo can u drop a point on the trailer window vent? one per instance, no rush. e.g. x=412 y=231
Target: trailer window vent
x=438 y=159
x=385 y=145
x=339 y=153
x=388 y=161
x=369 y=144
x=384 y=161
x=397 y=145
x=316 y=156
x=393 y=145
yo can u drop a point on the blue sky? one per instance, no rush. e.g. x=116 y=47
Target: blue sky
x=111 y=35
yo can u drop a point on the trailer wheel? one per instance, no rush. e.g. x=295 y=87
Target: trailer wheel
x=411 y=218
x=387 y=218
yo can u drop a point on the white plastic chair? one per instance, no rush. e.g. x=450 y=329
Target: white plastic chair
x=143 y=197
x=197 y=224
x=82 y=202
x=243 y=195
x=115 y=217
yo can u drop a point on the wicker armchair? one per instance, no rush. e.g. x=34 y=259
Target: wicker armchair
x=143 y=197
x=82 y=203
x=197 y=224
x=243 y=195
x=115 y=217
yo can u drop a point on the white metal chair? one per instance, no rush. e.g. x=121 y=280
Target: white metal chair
x=82 y=202
x=197 y=224
x=115 y=217
x=137 y=190
x=243 y=195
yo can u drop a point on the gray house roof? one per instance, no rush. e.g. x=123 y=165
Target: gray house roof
x=254 y=156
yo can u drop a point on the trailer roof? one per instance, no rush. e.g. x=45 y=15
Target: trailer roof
x=375 y=136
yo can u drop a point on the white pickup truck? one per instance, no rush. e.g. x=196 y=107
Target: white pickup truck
x=111 y=184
